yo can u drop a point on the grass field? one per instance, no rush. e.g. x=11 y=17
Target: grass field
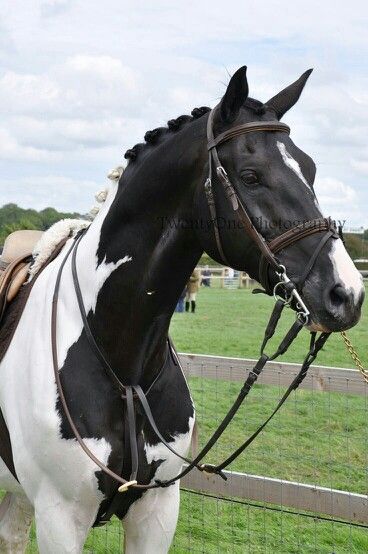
x=319 y=438
x=231 y=323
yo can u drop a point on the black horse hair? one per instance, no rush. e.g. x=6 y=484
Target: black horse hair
x=152 y=137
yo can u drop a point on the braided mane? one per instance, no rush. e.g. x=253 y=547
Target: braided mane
x=173 y=125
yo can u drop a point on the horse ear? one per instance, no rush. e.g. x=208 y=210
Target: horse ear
x=235 y=95
x=286 y=99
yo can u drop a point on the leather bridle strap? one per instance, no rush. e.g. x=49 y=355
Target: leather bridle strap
x=130 y=392
x=91 y=340
x=60 y=390
x=126 y=392
x=247 y=128
x=131 y=432
x=306 y=229
x=267 y=249
x=311 y=356
x=292 y=236
x=230 y=192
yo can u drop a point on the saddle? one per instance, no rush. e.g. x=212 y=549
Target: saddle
x=14 y=264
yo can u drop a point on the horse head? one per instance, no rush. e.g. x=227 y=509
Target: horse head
x=273 y=181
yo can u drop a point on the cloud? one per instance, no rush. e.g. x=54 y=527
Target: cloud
x=82 y=81
x=360 y=166
x=338 y=200
x=52 y=8
x=25 y=93
x=52 y=190
x=105 y=68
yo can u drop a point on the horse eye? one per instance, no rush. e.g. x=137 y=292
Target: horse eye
x=250 y=177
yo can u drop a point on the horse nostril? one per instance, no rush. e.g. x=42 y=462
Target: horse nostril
x=339 y=295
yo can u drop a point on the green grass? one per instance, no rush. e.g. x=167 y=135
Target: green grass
x=212 y=526
x=318 y=438
x=231 y=323
x=328 y=427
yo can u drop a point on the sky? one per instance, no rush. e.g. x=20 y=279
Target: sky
x=80 y=82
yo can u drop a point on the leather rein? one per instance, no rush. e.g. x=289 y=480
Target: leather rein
x=130 y=394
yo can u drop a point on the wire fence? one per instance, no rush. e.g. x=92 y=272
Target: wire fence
x=300 y=487
x=319 y=439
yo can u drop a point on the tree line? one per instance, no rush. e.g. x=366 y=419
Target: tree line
x=12 y=218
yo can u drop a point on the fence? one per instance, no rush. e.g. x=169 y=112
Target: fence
x=225 y=277
x=301 y=487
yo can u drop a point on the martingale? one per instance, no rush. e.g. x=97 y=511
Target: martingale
x=286 y=292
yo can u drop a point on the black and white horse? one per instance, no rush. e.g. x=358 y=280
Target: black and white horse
x=133 y=263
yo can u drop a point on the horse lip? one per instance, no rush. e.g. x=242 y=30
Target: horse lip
x=316 y=328
x=337 y=325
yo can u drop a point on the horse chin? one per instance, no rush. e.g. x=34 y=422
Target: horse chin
x=335 y=325
x=316 y=328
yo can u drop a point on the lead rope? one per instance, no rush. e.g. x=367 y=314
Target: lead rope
x=354 y=356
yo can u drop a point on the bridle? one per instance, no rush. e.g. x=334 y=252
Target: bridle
x=268 y=250
x=133 y=394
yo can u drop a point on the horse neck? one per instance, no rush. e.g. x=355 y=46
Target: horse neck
x=143 y=257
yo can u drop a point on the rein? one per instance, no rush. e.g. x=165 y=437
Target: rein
x=291 y=293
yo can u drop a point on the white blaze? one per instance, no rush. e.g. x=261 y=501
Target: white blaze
x=345 y=270
x=291 y=163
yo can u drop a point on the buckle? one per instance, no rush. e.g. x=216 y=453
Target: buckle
x=212 y=470
x=222 y=173
x=302 y=311
x=125 y=486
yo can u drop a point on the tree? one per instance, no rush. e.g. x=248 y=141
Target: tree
x=14 y=218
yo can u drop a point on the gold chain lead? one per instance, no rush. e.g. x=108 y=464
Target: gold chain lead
x=354 y=356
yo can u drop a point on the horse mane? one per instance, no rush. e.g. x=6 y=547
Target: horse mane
x=173 y=125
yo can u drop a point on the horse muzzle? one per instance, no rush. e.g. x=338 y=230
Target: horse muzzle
x=338 y=309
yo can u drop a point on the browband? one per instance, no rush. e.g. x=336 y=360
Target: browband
x=248 y=128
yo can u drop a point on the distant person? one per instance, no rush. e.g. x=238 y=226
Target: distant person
x=180 y=305
x=192 y=289
x=229 y=277
x=206 y=277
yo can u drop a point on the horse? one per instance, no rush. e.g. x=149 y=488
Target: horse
x=132 y=263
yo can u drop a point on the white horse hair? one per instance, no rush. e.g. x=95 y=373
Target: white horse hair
x=51 y=238
x=67 y=228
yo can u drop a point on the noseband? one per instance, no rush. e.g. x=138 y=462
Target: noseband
x=267 y=249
